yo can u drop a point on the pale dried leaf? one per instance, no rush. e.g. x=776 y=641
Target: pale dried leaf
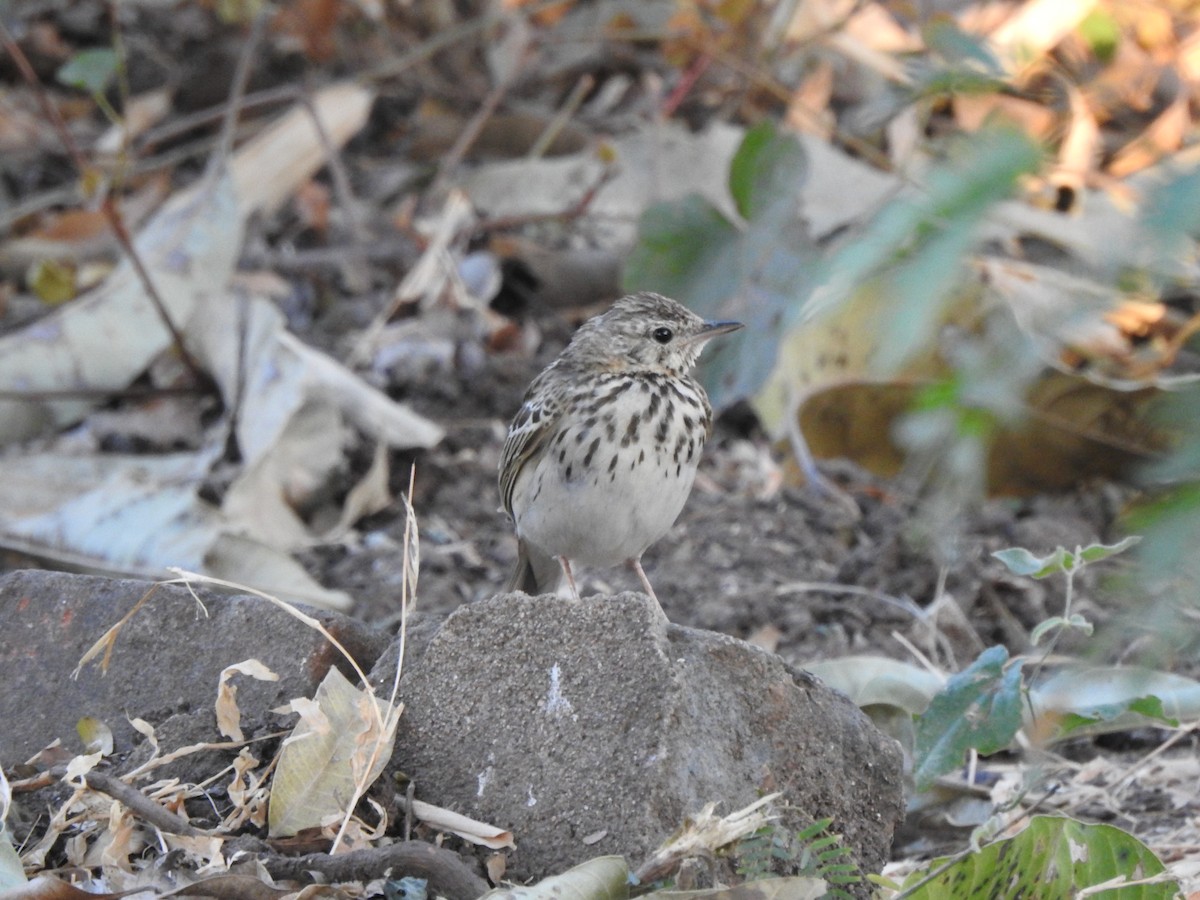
x=137 y=115
x=878 y=29
x=602 y=878
x=704 y=833
x=972 y=111
x=795 y=887
x=1035 y=28
x=245 y=561
x=466 y=828
x=326 y=763
x=202 y=850
x=12 y=873
x=1080 y=149
x=879 y=680
x=267 y=497
x=105 y=339
x=370 y=495
x=46 y=887
x=80 y=766
x=242 y=887
x=247 y=793
x=95 y=734
x=134 y=515
x=229 y=716
x=270 y=167
x=813 y=20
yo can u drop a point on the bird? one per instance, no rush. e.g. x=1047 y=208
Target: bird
x=601 y=455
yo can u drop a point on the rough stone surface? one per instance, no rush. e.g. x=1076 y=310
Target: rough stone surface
x=594 y=726
x=165 y=664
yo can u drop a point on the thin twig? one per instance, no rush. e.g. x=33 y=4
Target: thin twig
x=1181 y=732
x=832 y=587
x=561 y=118
x=137 y=802
x=448 y=876
x=176 y=127
x=352 y=260
x=130 y=393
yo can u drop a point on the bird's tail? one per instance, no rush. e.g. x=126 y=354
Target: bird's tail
x=535 y=572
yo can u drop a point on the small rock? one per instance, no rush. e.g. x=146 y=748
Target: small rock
x=562 y=720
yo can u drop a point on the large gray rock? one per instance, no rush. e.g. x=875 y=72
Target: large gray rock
x=594 y=726
x=165 y=663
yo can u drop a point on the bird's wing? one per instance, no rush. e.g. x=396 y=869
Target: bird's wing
x=532 y=426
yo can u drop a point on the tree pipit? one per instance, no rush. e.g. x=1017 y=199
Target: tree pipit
x=601 y=456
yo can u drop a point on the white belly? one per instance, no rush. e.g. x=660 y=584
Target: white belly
x=598 y=499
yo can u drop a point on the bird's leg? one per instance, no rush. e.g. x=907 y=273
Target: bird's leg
x=566 y=567
x=636 y=565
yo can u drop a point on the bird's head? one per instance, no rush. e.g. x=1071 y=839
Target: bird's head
x=647 y=332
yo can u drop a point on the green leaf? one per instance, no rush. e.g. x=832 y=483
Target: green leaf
x=683 y=249
x=89 y=70
x=1102 y=34
x=1173 y=209
x=742 y=167
x=1051 y=859
x=945 y=227
x=1149 y=706
x=1096 y=552
x=1106 y=699
x=53 y=282
x=955 y=45
x=1152 y=707
x=768 y=169
x=811 y=832
x=1075 y=622
x=979 y=708
x=1021 y=562
x=1049 y=624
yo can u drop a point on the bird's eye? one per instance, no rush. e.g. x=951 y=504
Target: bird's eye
x=662 y=334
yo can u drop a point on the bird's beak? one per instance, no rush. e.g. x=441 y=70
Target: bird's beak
x=712 y=329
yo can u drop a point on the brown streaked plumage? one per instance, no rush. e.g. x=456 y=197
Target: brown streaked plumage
x=601 y=456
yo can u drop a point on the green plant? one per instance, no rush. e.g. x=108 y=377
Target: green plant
x=1053 y=858
x=1061 y=562
x=811 y=852
x=980 y=708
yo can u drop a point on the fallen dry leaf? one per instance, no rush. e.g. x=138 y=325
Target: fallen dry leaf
x=228 y=715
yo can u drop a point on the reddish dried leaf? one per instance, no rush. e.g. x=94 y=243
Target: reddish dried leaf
x=312 y=23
